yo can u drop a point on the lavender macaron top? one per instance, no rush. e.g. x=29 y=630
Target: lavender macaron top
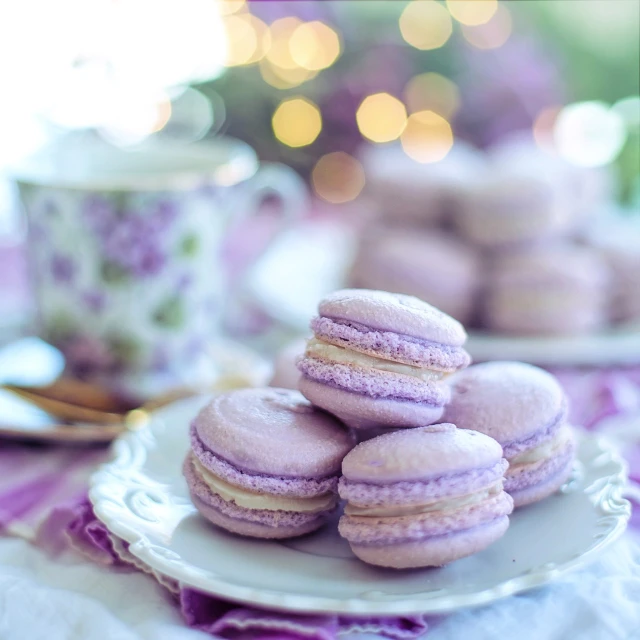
x=509 y=401
x=393 y=312
x=420 y=454
x=273 y=431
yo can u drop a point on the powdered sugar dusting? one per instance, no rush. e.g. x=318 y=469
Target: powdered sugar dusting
x=274 y=432
x=383 y=311
x=419 y=454
x=509 y=401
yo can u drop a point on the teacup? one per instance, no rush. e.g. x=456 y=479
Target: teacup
x=125 y=251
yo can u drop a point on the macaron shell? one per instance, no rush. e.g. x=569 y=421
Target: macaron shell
x=434 y=551
x=389 y=530
x=421 y=453
x=253 y=529
x=432 y=266
x=536 y=492
x=393 y=312
x=508 y=401
x=532 y=482
x=294 y=487
x=365 y=494
x=373 y=382
x=391 y=346
x=360 y=411
x=273 y=431
x=260 y=523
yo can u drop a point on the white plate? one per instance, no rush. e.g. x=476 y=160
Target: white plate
x=598 y=350
x=142 y=498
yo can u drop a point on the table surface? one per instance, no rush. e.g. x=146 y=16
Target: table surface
x=68 y=598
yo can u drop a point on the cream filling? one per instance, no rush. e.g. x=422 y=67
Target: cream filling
x=324 y=351
x=545 y=450
x=250 y=500
x=450 y=504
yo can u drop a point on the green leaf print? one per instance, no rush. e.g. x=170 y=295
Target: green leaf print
x=170 y=314
x=189 y=245
x=113 y=273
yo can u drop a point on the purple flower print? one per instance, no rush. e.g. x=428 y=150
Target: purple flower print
x=134 y=242
x=94 y=301
x=86 y=356
x=135 y=246
x=100 y=213
x=63 y=268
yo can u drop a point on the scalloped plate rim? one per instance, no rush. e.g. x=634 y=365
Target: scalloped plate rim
x=131 y=445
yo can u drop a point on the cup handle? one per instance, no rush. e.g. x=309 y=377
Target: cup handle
x=273 y=181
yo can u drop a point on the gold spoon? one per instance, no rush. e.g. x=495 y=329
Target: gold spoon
x=81 y=402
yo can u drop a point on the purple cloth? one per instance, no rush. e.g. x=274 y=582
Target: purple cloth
x=43 y=498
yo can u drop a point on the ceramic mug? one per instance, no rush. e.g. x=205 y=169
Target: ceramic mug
x=125 y=252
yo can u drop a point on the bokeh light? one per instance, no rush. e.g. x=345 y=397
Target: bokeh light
x=381 y=117
x=427 y=137
x=338 y=177
x=543 y=127
x=248 y=39
x=432 y=92
x=135 y=117
x=296 y=122
x=314 y=45
x=492 y=34
x=284 y=78
x=629 y=110
x=279 y=53
x=193 y=115
x=472 y=12
x=589 y=134
x=425 y=24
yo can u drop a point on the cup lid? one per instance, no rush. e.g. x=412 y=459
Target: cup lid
x=83 y=160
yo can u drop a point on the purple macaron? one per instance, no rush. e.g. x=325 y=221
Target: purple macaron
x=423 y=497
x=378 y=359
x=525 y=409
x=265 y=463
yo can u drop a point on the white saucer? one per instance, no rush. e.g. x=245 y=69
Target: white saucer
x=33 y=362
x=142 y=498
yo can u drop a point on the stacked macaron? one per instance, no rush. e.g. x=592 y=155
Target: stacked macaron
x=525 y=410
x=435 y=267
x=379 y=359
x=265 y=463
x=557 y=289
x=423 y=497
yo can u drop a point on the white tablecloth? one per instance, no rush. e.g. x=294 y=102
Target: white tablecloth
x=71 y=599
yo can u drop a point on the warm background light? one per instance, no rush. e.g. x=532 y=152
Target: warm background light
x=284 y=78
x=381 y=117
x=472 y=12
x=589 y=134
x=338 y=177
x=427 y=137
x=432 y=92
x=297 y=122
x=279 y=53
x=492 y=34
x=314 y=45
x=248 y=39
x=425 y=24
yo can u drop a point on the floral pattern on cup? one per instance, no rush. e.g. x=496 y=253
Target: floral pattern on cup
x=129 y=279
